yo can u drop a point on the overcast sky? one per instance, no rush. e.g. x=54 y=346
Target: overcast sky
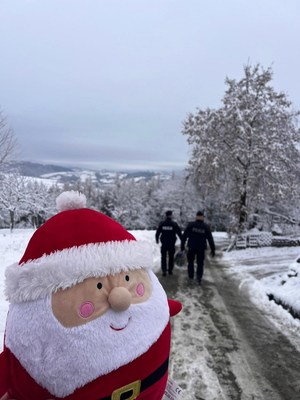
x=108 y=83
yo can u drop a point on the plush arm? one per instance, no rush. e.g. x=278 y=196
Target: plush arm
x=175 y=307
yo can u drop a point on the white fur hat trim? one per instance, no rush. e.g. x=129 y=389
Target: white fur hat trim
x=38 y=278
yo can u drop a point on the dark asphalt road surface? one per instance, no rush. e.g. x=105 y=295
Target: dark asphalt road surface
x=224 y=347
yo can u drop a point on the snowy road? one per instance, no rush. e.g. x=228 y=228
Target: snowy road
x=224 y=347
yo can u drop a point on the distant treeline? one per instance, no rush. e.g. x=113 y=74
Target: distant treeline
x=28 y=202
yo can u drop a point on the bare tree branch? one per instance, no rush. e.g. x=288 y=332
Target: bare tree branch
x=8 y=142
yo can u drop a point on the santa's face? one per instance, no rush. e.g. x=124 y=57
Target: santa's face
x=93 y=297
x=89 y=330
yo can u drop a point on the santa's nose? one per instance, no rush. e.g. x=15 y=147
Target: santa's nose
x=119 y=298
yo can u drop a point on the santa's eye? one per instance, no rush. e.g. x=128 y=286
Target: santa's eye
x=99 y=285
x=127 y=278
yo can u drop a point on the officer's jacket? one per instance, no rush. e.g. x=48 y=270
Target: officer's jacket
x=198 y=233
x=167 y=231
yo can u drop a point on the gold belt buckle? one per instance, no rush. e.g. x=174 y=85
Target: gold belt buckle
x=133 y=390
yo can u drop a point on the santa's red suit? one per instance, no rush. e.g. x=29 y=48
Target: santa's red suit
x=151 y=368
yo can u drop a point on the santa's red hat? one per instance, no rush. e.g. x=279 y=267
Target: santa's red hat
x=75 y=244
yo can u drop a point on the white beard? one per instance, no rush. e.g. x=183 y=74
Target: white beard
x=63 y=359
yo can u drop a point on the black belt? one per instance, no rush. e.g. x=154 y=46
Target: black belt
x=132 y=390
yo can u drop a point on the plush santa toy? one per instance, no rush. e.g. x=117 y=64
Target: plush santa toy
x=88 y=319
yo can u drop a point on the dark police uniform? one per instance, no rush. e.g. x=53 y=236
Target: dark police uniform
x=167 y=232
x=197 y=233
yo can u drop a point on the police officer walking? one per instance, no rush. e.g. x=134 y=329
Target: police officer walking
x=197 y=233
x=167 y=233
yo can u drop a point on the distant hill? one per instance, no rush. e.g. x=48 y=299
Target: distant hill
x=59 y=174
x=27 y=168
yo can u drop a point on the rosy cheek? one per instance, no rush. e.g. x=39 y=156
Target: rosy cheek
x=86 y=309
x=140 y=289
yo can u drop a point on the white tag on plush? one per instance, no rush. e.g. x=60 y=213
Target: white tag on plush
x=173 y=391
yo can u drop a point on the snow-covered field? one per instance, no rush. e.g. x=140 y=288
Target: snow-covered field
x=272 y=271
x=265 y=270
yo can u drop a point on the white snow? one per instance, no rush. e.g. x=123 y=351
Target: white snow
x=264 y=270
x=270 y=271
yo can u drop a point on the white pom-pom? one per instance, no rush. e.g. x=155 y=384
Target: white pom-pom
x=70 y=201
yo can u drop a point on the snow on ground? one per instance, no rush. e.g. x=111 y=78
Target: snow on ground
x=270 y=271
x=12 y=246
x=267 y=270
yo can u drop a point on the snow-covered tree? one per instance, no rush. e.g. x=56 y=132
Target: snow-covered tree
x=128 y=203
x=180 y=195
x=8 y=141
x=247 y=151
x=12 y=191
x=38 y=203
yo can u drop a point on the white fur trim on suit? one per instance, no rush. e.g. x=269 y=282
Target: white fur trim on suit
x=38 y=278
